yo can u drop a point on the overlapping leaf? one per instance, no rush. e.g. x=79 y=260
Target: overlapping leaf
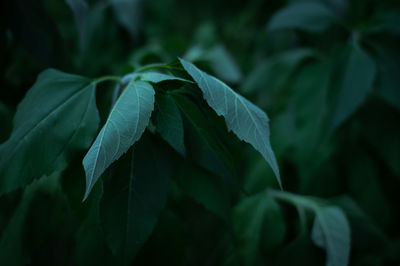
x=245 y=119
x=202 y=144
x=169 y=122
x=126 y=123
x=57 y=117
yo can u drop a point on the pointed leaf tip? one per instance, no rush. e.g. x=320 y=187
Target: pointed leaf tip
x=125 y=125
x=244 y=118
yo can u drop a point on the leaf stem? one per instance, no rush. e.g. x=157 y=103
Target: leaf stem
x=296 y=200
x=152 y=66
x=107 y=78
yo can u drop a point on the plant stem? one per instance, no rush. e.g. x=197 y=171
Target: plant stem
x=152 y=66
x=294 y=199
x=107 y=78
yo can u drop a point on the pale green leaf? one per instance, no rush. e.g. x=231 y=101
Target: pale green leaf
x=57 y=118
x=126 y=123
x=359 y=75
x=168 y=122
x=245 y=119
x=307 y=16
x=331 y=231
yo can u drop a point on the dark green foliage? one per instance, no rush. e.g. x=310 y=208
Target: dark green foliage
x=165 y=120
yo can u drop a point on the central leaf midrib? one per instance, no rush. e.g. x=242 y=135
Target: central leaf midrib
x=76 y=129
x=114 y=109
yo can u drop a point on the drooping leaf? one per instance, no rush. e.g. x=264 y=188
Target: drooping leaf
x=359 y=75
x=245 y=119
x=126 y=123
x=80 y=10
x=134 y=198
x=202 y=144
x=255 y=219
x=57 y=118
x=331 y=231
x=168 y=122
x=307 y=16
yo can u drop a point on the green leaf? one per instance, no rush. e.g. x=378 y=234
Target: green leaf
x=245 y=119
x=134 y=198
x=331 y=231
x=223 y=64
x=219 y=59
x=274 y=73
x=307 y=16
x=359 y=75
x=168 y=122
x=57 y=118
x=13 y=237
x=125 y=125
x=203 y=145
x=255 y=219
x=205 y=189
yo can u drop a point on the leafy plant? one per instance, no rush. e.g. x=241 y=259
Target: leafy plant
x=152 y=165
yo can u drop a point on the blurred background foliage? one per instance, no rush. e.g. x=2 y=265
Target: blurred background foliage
x=327 y=73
